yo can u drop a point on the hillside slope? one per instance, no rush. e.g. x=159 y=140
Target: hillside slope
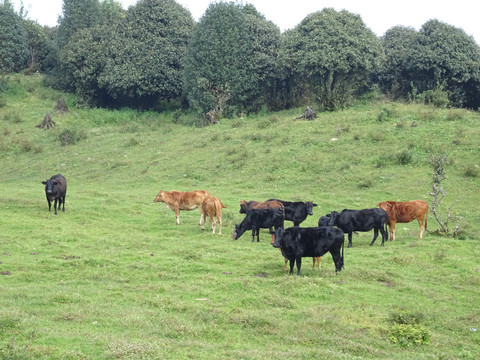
x=115 y=278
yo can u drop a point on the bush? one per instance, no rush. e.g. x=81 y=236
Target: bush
x=70 y=137
x=404 y=157
x=436 y=97
x=408 y=335
x=406 y=330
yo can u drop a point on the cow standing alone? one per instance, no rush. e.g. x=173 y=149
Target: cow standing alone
x=404 y=212
x=56 y=190
x=178 y=200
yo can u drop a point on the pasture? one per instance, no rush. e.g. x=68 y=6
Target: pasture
x=114 y=277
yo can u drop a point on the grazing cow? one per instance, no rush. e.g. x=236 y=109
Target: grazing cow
x=360 y=220
x=297 y=242
x=178 y=200
x=404 y=212
x=212 y=207
x=297 y=211
x=249 y=205
x=260 y=218
x=56 y=189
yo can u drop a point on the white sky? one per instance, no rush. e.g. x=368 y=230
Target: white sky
x=378 y=15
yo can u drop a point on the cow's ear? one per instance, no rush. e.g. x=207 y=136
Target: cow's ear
x=243 y=202
x=44 y=182
x=314 y=204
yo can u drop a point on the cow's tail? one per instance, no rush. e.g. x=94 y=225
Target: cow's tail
x=343 y=246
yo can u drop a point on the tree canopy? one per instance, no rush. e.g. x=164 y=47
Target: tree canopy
x=13 y=39
x=233 y=51
x=330 y=55
x=235 y=61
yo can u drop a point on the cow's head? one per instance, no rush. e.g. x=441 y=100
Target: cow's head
x=50 y=185
x=333 y=218
x=243 y=207
x=385 y=205
x=278 y=237
x=159 y=197
x=236 y=232
x=324 y=220
x=310 y=206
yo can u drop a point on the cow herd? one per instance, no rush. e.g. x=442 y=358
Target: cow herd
x=295 y=242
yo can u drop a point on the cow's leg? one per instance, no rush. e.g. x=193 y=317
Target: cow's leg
x=422 y=228
x=375 y=235
x=285 y=267
x=49 y=204
x=202 y=216
x=55 y=206
x=384 y=235
x=392 y=231
x=299 y=265
x=214 y=224
x=177 y=214
x=349 y=239
x=253 y=235
x=292 y=264
x=63 y=201
x=258 y=235
x=219 y=218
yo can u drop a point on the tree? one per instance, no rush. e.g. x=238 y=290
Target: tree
x=330 y=56
x=38 y=44
x=145 y=53
x=84 y=58
x=394 y=77
x=77 y=15
x=444 y=54
x=13 y=39
x=232 y=52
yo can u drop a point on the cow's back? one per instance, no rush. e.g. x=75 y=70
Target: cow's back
x=62 y=183
x=406 y=211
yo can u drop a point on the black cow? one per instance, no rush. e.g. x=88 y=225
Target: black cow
x=260 y=218
x=296 y=211
x=359 y=220
x=56 y=189
x=297 y=242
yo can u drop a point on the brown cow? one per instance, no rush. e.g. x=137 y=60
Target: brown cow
x=248 y=205
x=178 y=200
x=404 y=212
x=212 y=207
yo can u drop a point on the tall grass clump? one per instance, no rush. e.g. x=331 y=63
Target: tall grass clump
x=71 y=136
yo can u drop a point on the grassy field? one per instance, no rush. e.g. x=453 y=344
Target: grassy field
x=115 y=278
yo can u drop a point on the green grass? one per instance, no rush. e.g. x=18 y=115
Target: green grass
x=114 y=278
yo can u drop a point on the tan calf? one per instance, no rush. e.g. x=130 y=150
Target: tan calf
x=212 y=207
